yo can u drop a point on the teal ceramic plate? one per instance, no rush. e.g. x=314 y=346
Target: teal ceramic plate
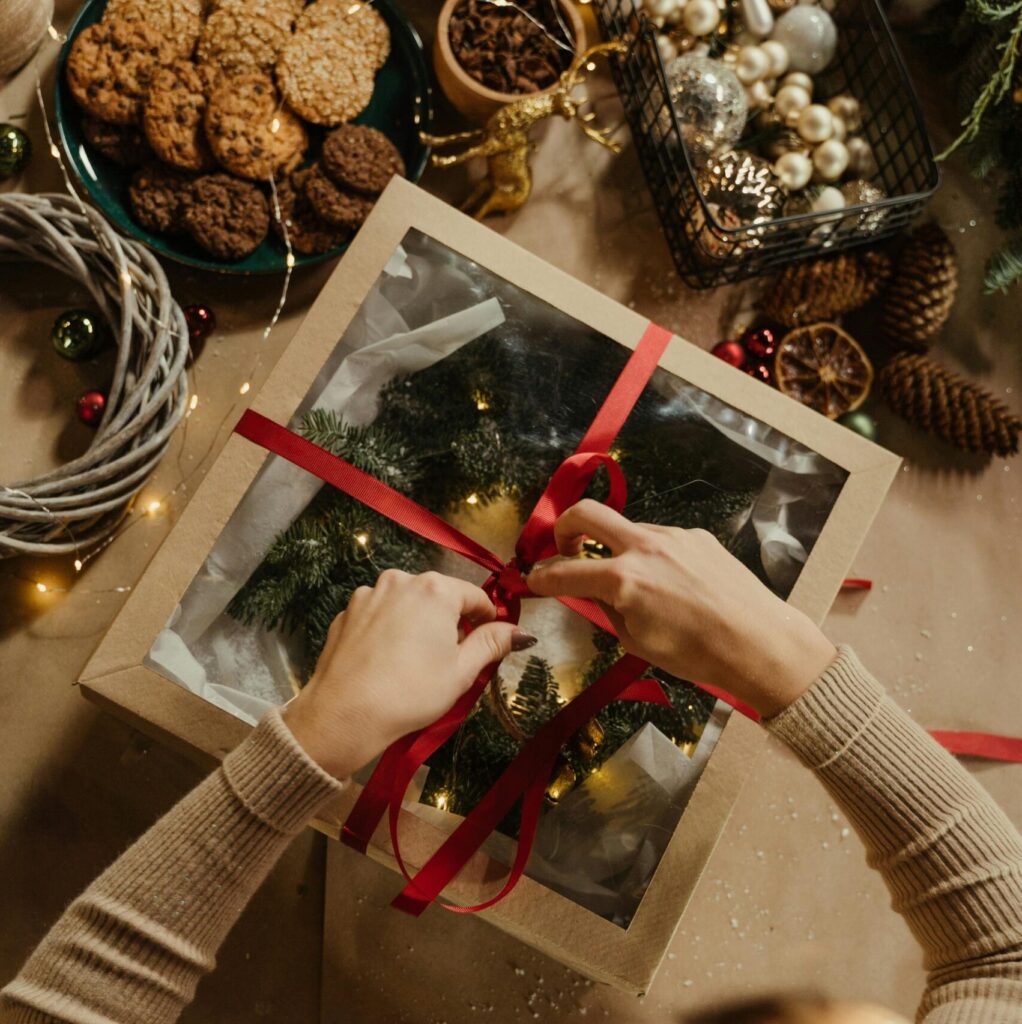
x=401 y=106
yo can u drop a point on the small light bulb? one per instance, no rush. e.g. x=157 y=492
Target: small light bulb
x=482 y=405
x=244 y=389
x=591 y=66
x=441 y=801
x=153 y=507
x=41 y=587
x=290 y=260
x=193 y=403
x=275 y=125
x=54 y=152
x=472 y=499
x=362 y=538
x=78 y=565
x=354 y=8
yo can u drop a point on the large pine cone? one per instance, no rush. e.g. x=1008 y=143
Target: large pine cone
x=922 y=290
x=948 y=406
x=825 y=289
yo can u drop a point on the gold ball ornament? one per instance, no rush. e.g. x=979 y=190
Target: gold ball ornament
x=753 y=65
x=791 y=99
x=794 y=170
x=701 y=17
x=777 y=55
x=815 y=123
x=861 y=159
x=830 y=159
x=847 y=108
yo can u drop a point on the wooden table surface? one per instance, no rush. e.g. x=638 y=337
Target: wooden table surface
x=786 y=902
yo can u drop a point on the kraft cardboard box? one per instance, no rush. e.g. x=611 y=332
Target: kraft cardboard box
x=419 y=287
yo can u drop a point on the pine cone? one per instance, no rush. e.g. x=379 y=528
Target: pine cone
x=942 y=403
x=922 y=291
x=825 y=289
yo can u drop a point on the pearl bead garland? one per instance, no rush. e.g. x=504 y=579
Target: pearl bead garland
x=815 y=123
x=830 y=159
x=753 y=64
x=790 y=99
x=700 y=17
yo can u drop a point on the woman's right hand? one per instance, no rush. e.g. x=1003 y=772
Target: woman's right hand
x=680 y=601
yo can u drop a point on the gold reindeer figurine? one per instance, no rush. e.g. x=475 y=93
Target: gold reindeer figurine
x=505 y=139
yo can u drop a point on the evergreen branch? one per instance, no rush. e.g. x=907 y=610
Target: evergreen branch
x=1004 y=268
x=998 y=85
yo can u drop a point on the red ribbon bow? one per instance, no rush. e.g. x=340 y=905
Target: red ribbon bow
x=527 y=776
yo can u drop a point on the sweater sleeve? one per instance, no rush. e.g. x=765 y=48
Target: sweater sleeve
x=951 y=859
x=134 y=945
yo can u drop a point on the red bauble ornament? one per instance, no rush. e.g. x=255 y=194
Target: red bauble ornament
x=90 y=407
x=201 y=322
x=761 y=371
x=761 y=343
x=731 y=352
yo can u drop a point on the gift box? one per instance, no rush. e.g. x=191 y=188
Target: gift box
x=442 y=384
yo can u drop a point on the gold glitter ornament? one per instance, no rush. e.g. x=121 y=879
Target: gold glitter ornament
x=562 y=783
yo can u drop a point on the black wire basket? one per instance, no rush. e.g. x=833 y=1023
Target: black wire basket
x=709 y=253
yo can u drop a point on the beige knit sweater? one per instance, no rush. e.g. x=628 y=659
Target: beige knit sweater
x=134 y=945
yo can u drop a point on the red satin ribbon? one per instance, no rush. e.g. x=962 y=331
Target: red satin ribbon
x=527 y=776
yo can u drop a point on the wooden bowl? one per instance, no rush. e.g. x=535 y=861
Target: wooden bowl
x=469 y=97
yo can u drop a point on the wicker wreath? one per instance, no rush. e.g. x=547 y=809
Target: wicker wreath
x=82 y=501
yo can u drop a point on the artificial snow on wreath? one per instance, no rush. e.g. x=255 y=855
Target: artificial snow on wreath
x=79 y=503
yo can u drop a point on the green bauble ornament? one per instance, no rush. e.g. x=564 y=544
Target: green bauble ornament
x=15 y=150
x=861 y=423
x=79 y=334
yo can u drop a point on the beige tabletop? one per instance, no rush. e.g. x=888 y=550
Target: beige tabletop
x=787 y=900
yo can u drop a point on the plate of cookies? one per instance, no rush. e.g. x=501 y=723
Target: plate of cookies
x=232 y=135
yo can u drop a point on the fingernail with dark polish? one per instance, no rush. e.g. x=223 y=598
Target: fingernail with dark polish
x=522 y=641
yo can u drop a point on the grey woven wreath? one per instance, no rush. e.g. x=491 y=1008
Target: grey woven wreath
x=82 y=501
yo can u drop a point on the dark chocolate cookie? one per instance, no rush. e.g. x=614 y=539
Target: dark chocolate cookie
x=334 y=205
x=308 y=233
x=123 y=144
x=358 y=157
x=228 y=217
x=158 y=197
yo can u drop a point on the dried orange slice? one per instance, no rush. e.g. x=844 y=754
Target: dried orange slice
x=823 y=367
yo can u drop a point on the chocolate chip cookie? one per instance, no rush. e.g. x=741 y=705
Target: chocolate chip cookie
x=250 y=133
x=358 y=157
x=227 y=217
x=307 y=233
x=174 y=115
x=122 y=144
x=111 y=65
x=334 y=205
x=159 y=195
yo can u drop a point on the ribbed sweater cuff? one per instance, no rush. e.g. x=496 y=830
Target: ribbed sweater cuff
x=275 y=779
x=828 y=717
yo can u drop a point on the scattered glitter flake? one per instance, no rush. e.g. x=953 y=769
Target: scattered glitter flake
x=672 y=956
x=970 y=648
x=520 y=971
x=734 y=922
x=926 y=633
x=825 y=845
x=919 y=655
x=845 y=833
x=954 y=615
x=979 y=497
x=688 y=983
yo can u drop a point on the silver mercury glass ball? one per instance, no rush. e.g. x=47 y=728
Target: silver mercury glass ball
x=743 y=185
x=710 y=105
